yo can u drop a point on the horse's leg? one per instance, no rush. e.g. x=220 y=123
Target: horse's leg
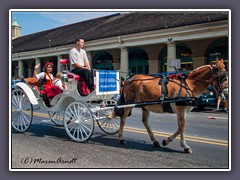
x=145 y=118
x=181 y=116
x=181 y=126
x=122 y=123
x=170 y=139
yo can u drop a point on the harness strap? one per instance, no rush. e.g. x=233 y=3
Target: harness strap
x=164 y=82
x=185 y=86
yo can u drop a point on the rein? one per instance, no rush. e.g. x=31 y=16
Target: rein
x=164 y=86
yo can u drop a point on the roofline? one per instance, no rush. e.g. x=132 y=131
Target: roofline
x=184 y=33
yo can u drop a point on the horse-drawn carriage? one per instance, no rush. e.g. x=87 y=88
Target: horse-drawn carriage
x=73 y=108
x=78 y=113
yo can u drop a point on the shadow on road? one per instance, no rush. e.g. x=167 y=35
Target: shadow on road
x=98 y=138
x=42 y=130
x=113 y=141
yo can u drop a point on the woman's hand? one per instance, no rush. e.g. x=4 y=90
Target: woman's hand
x=35 y=70
x=37 y=66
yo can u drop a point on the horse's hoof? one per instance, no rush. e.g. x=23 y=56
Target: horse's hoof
x=188 y=150
x=122 y=141
x=156 y=144
x=164 y=142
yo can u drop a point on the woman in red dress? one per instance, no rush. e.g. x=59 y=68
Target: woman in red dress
x=47 y=89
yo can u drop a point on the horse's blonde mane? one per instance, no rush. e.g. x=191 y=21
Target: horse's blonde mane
x=200 y=68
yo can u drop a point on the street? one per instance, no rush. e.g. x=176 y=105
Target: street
x=45 y=145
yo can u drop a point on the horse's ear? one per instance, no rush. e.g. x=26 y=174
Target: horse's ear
x=217 y=60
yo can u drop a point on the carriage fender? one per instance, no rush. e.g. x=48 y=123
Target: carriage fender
x=31 y=96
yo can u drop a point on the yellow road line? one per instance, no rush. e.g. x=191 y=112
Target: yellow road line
x=164 y=134
x=190 y=138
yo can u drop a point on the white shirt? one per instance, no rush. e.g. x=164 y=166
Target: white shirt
x=58 y=82
x=79 y=56
x=42 y=74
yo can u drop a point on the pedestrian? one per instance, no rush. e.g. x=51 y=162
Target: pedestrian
x=79 y=63
x=223 y=96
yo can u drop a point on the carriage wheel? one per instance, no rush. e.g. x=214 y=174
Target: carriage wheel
x=106 y=122
x=57 y=117
x=78 y=121
x=22 y=111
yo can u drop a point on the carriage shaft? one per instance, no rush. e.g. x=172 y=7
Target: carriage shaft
x=141 y=104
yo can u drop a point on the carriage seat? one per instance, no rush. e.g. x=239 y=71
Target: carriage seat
x=82 y=87
x=75 y=76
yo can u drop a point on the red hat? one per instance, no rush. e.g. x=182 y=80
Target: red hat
x=47 y=63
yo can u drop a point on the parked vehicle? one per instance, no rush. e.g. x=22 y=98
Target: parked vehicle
x=14 y=82
x=208 y=99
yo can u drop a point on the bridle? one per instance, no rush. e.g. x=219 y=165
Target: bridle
x=218 y=76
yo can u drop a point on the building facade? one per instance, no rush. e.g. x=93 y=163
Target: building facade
x=137 y=42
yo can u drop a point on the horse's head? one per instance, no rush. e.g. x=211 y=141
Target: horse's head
x=219 y=79
x=220 y=64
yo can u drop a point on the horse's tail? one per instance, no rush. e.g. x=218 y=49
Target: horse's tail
x=121 y=101
x=119 y=111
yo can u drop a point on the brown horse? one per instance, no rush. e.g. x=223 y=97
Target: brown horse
x=142 y=88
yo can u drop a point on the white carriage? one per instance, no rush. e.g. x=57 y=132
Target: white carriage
x=78 y=114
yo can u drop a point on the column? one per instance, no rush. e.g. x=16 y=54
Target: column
x=153 y=66
x=171 y=54
x=20 y=68
x=37 y=61
x=59 y=66
x=124 y=63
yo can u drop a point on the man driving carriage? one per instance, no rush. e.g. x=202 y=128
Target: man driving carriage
x=79 y=63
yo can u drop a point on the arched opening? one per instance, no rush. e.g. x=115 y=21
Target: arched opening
x=103 y=60
x=138 y=61
x=182 y=52
x=218 y=48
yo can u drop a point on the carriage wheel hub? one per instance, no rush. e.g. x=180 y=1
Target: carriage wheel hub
x=78 y=120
